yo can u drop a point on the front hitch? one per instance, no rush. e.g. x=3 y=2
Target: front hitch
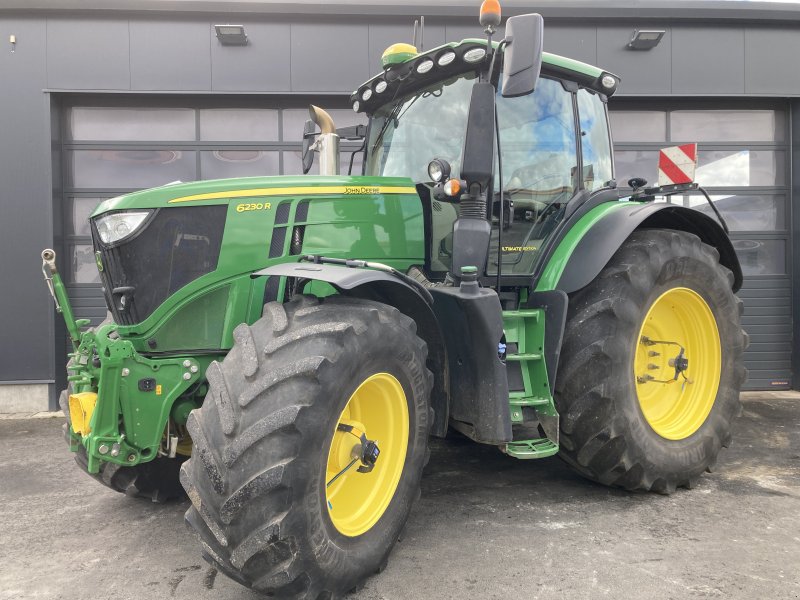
x=60 y=297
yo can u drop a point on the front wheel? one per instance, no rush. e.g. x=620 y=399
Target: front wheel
x=309 y=447
x=651 y=365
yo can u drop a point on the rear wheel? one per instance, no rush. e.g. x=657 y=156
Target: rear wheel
x=310 y=446
x=651 y=365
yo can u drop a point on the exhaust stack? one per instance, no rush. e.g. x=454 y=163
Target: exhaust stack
x=327 y=143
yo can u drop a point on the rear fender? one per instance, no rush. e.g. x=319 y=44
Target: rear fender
x=382 y=287
x=604 y=238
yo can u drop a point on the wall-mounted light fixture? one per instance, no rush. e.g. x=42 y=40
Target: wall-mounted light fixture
x=231 y=35
x=645 y=39
x=12 y=39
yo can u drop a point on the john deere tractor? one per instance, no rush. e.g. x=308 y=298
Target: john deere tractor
x=283 y=347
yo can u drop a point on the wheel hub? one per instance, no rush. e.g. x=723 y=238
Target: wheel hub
x=367 y=454
x=680 y=363
x=364 y=451
x=678 y=341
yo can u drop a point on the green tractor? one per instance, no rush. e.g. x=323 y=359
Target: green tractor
x=283 y=347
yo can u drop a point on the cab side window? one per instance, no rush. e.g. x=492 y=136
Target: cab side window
x=537 y=140
x=595 y=141
x=540 y=174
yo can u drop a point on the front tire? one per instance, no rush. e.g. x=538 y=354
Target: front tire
x=629 y=417
x=284 y=411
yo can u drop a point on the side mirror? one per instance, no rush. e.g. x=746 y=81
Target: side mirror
x=523 y=54
x=308 y=153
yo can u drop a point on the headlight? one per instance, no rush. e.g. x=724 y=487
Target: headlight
x=114 y=227
x=474 y=54
x=446 y=58
x=424 y=66
x=438 y=170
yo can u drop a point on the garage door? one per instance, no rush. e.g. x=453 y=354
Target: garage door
x=111 y=146
x=744 y=165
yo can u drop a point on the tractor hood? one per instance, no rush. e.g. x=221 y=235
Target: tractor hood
x=225 y=190
x=180 y=256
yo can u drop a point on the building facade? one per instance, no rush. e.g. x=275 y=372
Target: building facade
x=98 y=101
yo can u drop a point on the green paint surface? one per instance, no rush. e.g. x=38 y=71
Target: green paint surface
x=558 y=261
x=372 y=218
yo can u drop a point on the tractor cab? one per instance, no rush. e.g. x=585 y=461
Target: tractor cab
x=539 y=144
x=547 y=150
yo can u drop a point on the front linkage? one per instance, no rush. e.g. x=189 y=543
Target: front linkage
x=124 y=408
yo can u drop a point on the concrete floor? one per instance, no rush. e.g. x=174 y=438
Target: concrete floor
x=486 y=527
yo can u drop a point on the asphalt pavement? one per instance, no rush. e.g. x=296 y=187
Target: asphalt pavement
x=486 y=527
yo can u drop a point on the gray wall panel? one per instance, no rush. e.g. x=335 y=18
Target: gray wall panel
x=328 y=58
x=771 y=61
x=88 y=54
x=644 y=72
x=707 y=60
x=465 y=30
x=383 y=35
x=262 y=65
x=579 y=43
x=167 y=55
x=26 y=311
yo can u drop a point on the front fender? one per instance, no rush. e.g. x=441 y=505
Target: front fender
x=383 y=287
x=604 y=234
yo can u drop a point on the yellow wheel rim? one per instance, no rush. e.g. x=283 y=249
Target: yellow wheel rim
x=676 y=408
x=378 y=409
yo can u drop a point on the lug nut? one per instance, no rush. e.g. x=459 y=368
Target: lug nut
x=103 y=449
x=187 y=376
x=187 y=363
x=126 y=371
x=652 y=367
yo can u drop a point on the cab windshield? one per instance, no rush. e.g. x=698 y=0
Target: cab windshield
x=405 y=136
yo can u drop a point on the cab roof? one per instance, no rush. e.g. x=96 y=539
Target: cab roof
x=383 y=87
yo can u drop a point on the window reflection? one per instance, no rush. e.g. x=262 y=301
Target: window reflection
x=84 y=266
x=239 y=124
x=82 y=208
x=716 y=168
x=221 y=164
x=639 y=125
x=134 y=169
x=727 y=126
x=741 y=212
x=130 y=124
x=761 y=257
x=636 y=163
x=740 y=168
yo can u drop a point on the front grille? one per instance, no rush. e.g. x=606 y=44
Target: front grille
x=174 y=247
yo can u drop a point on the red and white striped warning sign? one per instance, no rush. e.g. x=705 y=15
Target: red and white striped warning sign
x=677 y=164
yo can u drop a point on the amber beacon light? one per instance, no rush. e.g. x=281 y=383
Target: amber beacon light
x=490 y=14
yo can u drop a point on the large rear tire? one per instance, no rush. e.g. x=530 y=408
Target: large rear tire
x=283 y=416
x=664 y=297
